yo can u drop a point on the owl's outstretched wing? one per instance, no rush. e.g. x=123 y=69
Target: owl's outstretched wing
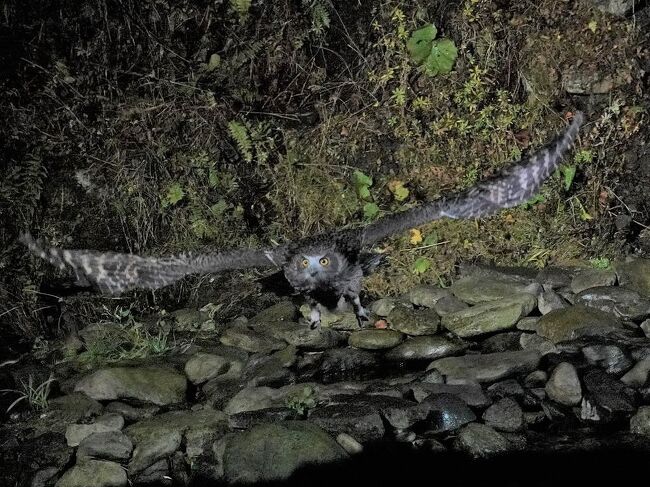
x=114 y=273
x=512 y=186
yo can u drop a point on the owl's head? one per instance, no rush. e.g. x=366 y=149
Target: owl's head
x=314 y=268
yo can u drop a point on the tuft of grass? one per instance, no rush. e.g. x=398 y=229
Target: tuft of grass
x=36 y=396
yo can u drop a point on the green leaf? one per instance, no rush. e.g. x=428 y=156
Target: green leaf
x=361 y=179
x=219 y=208
x=370 y=211
x=174 y=194
x=399 y=191
x=431 y=239
x=442 y=57
x=421 y=265
x=569 y=172
x=419 y=45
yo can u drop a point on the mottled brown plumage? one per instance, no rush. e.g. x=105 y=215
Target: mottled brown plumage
x=326 y=268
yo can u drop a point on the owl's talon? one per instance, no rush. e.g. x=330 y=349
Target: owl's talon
x=314 y=325
x=362 y=316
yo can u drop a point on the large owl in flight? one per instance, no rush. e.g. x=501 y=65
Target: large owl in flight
x=326 y=268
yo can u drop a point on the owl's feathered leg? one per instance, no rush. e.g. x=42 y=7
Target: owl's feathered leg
x=314 y=313
x=360 y=312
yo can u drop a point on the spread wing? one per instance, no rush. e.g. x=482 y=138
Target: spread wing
x=511 y=187
x=114 y=273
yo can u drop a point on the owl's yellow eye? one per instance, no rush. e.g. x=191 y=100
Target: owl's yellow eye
x=305 y=263
x=324 y=261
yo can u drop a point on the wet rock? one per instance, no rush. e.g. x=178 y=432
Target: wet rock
x=585 y=79
x=159 y=386
x=488 y=367
x=131 y=413
x=615 y=7
x=354 y=419
x=495 y=315
x=575 y=321
x=637 y=376
x=532 y=341
x=645 y=327
x=375 y=339
x=349 y=444
x=427 y=296
x=564 y=385
x=502 y=342
x=156 y=474
x=188 y=319
x=634 y=273
x=425 y=348
x=550 y=300
x=202 y=367
x=529 y=323
x=98 y=473
x=640 y=422
x=446 y=412
x=160 y=436
x=45 y=477
x=429 y=445
x=620 y=301
x=110 y=445
x=250 y=340
x=480 y=441
x=274 y=451
x=537 y=378
x=282 y=311
x=303 y=337
x=346 y=363
x=383 y=307
x=609 y=357
x=247 y=419
x=554 y=277
x=449 y=304
x=73 y=407
x=589 y=278
x=506 y=388
x=606 y=397
x=414 y=322
x=432 y=377
x=342 y=320
x=253 y=398
x=477 y=289
x=75 y=433
x=470 y=394
x=270 y=370
x=504 y=415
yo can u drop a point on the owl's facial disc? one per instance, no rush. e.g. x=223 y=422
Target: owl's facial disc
x=315 y=264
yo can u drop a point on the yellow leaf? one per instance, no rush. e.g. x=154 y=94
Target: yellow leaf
x=509 y=218
x=416 y=236
x=593 y=25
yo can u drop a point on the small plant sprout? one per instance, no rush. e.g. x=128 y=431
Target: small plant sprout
x=36 y=396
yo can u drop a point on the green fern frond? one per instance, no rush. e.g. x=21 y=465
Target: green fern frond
x=239 y=133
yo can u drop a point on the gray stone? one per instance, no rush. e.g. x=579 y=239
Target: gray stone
x=609 y=357
x=537 y=378
x=554 y=277
x=250 y=340
x=349 y=444
x=282 y=311
x=470 y=394
x=645 y=327
x=425 y=348
x=488 y=367
x=427 y=296
x=610 y=396
x=160 y=436
x=73 y=407
x=188 y=319
x=477 y=289
x=149 y=384
x=156 y=474
x=44 y=477
x=253 y=398
x=202 y=367
x=354 y=419
x=448 y=305
x=496 y=315
x=532 y=341
x=634 y=273
x=383 y=306
x=550 y=300
x=75 y=433
x=98 y=473
x=620 y=301
x=480 y=441
x=414 y=322
x=303 y=336
x=640 y=422
x=109 y=445
x=529 y=323
x=375 y=339
x=576 y=321
x=564 y=385
x=502 y=342
x=274 y=451
x=589 y=278
x=347 y=363
x=270 y=370
x=130 y=413
x=637 y=376
x=504 y=415
x=446 y=412
x=248 y=419
x=506 y=388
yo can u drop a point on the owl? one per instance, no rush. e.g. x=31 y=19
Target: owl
x=327 y=268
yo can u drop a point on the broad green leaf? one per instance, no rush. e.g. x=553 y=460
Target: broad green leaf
x=361 y=179
x=399 y=191
x=419 y=45
x=442 y=57
x=370 y=211
x=421 y=265
x=431 y=239
x=364 y=192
